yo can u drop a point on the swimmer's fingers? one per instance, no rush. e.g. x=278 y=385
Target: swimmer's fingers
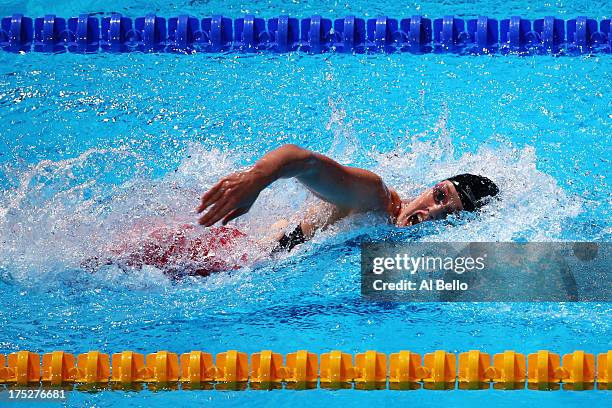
x=235 y=214
x=210 y=213
x=210 y=196
x=216 y=212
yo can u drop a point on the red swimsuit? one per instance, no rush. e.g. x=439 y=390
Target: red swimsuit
x=186 y=248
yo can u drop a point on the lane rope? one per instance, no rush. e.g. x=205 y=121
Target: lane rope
x=232 y=369
x=416 y=34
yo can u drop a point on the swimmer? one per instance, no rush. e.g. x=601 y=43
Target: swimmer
x=345 y=190
x=185 y=248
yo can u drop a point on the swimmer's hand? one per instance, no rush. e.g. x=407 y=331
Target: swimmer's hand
x=231 y=197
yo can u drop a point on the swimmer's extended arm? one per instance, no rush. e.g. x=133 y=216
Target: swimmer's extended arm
x=349 y=188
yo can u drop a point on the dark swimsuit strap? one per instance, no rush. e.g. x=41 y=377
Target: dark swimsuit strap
x=288 y=242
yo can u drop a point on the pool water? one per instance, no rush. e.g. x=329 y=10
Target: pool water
x=92 y=144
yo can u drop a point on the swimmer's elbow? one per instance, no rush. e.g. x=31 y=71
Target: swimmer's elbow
x=302 y=161
x=288 y=160
x=294 y=150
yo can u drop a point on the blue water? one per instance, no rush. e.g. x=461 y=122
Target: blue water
x=91 y=144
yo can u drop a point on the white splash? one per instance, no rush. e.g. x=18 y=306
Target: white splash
x=60 y=213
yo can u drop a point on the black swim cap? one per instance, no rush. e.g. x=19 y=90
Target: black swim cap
x=473 y=190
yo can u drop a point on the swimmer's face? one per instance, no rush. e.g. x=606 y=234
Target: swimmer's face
x=433 y=204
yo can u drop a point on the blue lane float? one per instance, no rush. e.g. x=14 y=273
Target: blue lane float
x=284 y=34
x=217 y=34
x=16 y=33
x=83 y=34
x=250 y=34
x=316 y=34
x=47 y=33
x=150 y=33
x=349 y=34
x=116 y=33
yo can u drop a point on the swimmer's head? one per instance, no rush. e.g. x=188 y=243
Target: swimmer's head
x=463 y=192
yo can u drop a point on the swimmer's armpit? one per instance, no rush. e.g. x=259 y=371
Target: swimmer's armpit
x=277 y=230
